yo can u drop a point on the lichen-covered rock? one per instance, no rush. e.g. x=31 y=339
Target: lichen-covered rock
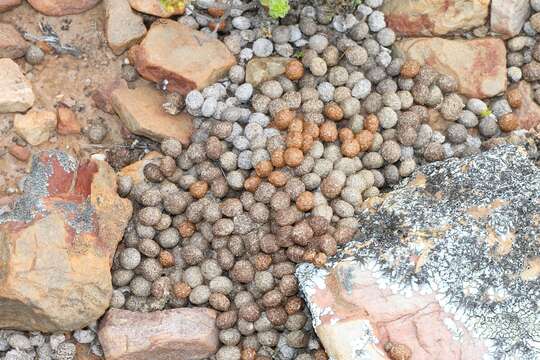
x=448 y=266
x=187 y=59
x=56 y=245
x=478 y=65
x=186 y=334
x=434 y=17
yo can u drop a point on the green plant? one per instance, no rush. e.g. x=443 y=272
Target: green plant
x=485 y=113
x=172 y=5
x=298 y=54
x=277 y=8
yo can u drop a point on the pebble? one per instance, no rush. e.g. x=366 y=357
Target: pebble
x=263 y=47
x=241 y=23
x=376 y=21
x=362 y=89
x=194 y=100
x=244 y=92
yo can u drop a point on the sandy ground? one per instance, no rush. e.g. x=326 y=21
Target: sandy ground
x=63 y=78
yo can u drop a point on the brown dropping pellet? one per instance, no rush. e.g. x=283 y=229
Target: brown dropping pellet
x=305 y=201
x=226 y=320
x=264 y=168
x=410 y=69
x=167 y=166
x=371 y=123
x=282 y=269
x=283 y=236
x=198 y=189
x=220 y=302
x=278 y=178
x=311 y=129
x=514 y=98
x=283 y=119
x=248 y=354
x=225 y=259
x=350 y=148
x=242 y=272
x=398 y=351
x=296 y=125
x=318 y=224
x=508 y=122
x=328 y=244
x=294 y=70
x=252 y=183
x=288 y=285
x=294 y=304
x=277 y=315
x=186 y=229
x=328 y=131
x=302 y=233
x=333 y=111
x=320 y=355
x=293 y=157
x=272 y=298
x=344 y=234
x=166 y=258
x=268 y=244
x=345 y=134
x=249 y=312
x=278 y=159
x=307 y=142
x=365 y=140
x=181 y=290
x=153 y=173
x=294 y=139
x=262 y=262
x=309 y=255
x=320 y=259
x=295 y=254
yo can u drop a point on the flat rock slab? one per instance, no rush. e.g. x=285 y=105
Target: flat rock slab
x=259 y=70
x=528 y=113
x=479 y=65
x=140 y=111
x=434 y=17
x=16 y=94
x=12 y=44
x=58 y=239
x=446 y=266
x=182 y=334
x=6 y=5
x=153 y=7
x=35 y=127
x=123 y=27
x=508 y=16
x=62 y=7
x=186 y=58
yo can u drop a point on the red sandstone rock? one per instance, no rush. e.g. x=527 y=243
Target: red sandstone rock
x=528 y=113
x=434 y=17
x=67 y=122
x=6 y=5
x=19 y=152
x=62 y=7
x=183 y=334
x=478 y=65
x=57 y=245
x=12 y=44
x=123 y=27
x=186 y=58
x=103 y=96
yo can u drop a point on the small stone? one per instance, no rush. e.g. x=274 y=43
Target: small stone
x=68 y=124
x=12 y=44
x=62 y=7
x=263 y=47
x=35 y=127
x=123 y=26
x=16 y=93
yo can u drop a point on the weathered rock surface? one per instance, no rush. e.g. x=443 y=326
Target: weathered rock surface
x=508 y=16
x=68 y=124
x=57 y=244
x=186 y=58
x=6 y=5
x=35 y=127
x=140 y=111
x=478 y=65
x=62 y=7
x=434 y=17
x=12 y=44
x=259 y=70
x=447 y=265
x=528 y=113
x=153 y=7
x=103 y=95
x=184 y=334
x=16 y=94
x=124 y=28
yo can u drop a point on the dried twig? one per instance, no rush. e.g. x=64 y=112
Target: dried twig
x=51 y=37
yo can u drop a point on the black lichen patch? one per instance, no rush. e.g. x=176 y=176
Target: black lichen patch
x=474 y=261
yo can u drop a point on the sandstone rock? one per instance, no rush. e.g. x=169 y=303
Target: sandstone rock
x=12 y=44
x=62 y=7
x=140 y=111
x=16 y=93
x=58 y=241
x=135 y=170
x=124 y=28
x=35 y=127
x=508 y=16
x=259 y=70
x=68 y=124
x=478 y=65
x=103 y=96
x=153 y=7
x=434 y=17
x=19 y=152
x=169 y=334
x=444 y=266
x=6 y=5
x=186 y=58
x=528 y=113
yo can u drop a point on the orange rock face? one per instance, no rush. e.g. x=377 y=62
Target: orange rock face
x=140 y=111
x=478 y=65
x=62 y=7
x=68 y=124
x=184 y=334
x=186 y=58
x=5 y=5
x=434 y=17
x=103 y=96
x=57 y=245
x=528 y=113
